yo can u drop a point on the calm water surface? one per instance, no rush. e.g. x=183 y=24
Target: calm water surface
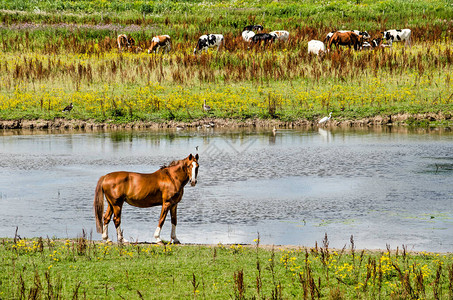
x=382 y=185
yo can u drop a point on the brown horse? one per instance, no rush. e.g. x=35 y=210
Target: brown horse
x=348 y=38
x=164 y=187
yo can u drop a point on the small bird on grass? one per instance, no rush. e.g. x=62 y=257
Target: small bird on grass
x=206 y=107
x=68 y=108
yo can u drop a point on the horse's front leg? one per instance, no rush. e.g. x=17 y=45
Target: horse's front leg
x=163 y=214
x=173 y=210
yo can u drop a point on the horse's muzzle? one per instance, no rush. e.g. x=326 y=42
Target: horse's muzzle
x=193 y=182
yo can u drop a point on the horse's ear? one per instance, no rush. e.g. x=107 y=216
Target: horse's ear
x=190 y=156
x=196 y=156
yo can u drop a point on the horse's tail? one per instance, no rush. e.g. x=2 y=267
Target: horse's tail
x=99 y=204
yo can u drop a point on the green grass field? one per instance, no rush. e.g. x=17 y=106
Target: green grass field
x=81 y=268
x=55 y=53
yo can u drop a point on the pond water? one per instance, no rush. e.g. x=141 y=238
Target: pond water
x=383 y=186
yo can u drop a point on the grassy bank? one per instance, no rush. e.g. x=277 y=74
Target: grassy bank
x=81 y=268
x=52 y=54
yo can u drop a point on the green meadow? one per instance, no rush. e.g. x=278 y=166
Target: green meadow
x=53 y=53
x=84 y=269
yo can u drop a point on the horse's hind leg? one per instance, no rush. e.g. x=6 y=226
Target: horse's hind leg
x=117 y=221
x=107 y=216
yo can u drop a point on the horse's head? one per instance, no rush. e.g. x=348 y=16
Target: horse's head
x=192 y=168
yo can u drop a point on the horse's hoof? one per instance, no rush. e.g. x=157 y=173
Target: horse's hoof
x=176 y=242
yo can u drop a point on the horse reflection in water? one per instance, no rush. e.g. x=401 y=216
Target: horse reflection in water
x=164 y=187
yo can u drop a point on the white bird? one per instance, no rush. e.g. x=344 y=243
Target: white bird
x=274 y=130
x=206 y=107
x=325 y=119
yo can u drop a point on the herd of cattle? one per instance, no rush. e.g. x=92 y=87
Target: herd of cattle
x=252 y=34
x=359 y=40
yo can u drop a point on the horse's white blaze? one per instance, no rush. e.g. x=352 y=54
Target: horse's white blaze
x=194 y=174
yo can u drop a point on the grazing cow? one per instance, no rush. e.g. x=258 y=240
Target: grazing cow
x=281 y=35
x=124 y=41
x=253 y=28
x=397 y=35
x=345 y=39
x=366 y=46
x=263 y=37
x=160 y=41
x=208 y=41
x=362 y=33
x=316 y=47
x=247 y=35
x=376 y=43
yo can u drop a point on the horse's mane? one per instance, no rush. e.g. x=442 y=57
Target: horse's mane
x=173 y=163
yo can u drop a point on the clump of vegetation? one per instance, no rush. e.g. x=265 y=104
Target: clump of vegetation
x=81 y=267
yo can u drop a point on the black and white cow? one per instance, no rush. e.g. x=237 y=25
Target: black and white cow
x=253 y=28
x=397 y=35
x=373 y=44
x=376 y=42
x=247 y=35
x=208 y=41
x=263 y=37
x=364 y=34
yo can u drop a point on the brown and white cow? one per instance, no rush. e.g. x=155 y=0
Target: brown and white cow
x=365 y=34
x=345 y=39
x=160 y=41
x=125 y=41
x=280 y=35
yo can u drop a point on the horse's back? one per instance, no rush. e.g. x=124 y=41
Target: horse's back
x=138 y=189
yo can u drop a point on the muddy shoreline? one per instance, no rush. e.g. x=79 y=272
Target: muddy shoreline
x=69 y=124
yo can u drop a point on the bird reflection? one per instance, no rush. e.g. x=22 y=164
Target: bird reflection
x=325 y=134
x=272 y=137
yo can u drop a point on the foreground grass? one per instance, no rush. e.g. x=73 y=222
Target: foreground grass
x=55 y=269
